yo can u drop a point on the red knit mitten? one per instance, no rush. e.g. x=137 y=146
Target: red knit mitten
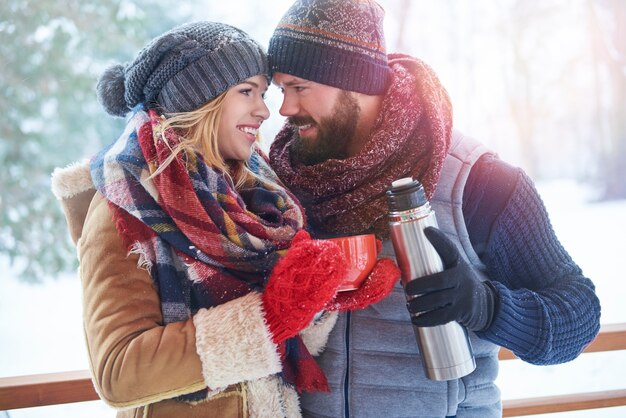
x=377 y=285
x=301 y=284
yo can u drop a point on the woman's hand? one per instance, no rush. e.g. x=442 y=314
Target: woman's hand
x=301 y=284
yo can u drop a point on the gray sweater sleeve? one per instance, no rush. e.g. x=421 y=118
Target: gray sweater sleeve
x=547 y=310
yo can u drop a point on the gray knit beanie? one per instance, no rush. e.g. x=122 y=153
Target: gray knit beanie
x=182 y=69
x=339 y=43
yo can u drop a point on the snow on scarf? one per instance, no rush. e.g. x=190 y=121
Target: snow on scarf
x=410 y=138
x=203 y=242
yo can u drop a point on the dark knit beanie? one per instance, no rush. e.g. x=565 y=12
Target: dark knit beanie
x=183 y=69
x=339 y=43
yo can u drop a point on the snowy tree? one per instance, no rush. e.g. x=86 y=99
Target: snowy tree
x=52 y=54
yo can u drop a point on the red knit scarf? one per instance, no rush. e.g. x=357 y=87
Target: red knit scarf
x=410 y=138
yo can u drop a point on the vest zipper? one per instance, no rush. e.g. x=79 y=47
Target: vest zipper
x=346 y=381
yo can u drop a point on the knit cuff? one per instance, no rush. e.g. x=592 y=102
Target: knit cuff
x=482 y=312
x=234 y=343
x=518 y=323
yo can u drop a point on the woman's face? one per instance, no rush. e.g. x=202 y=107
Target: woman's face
x=243 y=111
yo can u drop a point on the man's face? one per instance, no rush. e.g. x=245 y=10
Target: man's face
x=326 y=118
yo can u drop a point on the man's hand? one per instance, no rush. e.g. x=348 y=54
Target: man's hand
x=455 y=294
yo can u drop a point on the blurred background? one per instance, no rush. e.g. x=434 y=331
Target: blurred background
x=543 y=83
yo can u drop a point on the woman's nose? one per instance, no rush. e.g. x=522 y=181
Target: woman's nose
x=262 y=111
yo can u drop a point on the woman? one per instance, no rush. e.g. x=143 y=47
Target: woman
x=199 y=283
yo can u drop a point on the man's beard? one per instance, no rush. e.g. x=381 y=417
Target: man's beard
x=334 y=133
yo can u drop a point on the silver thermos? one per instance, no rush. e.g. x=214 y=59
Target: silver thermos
x=445 y=349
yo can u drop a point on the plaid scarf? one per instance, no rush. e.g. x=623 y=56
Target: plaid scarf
x=203 y=242
x=410 y=138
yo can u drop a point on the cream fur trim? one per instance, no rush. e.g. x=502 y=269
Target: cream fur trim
x=315 y=336
x=291 y=401
x=270 y=398
x=69 y=181
x=234 y=343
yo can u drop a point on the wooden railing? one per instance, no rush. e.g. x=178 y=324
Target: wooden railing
x=46 y=389
x=76 y=386
x=612 y=337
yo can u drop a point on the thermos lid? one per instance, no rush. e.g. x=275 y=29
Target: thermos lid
x=405 y=194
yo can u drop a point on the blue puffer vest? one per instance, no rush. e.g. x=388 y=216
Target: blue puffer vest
x=372 y=360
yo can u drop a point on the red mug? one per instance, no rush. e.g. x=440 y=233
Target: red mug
x=360 y=252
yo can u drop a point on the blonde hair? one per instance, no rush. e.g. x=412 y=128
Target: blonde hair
x=198 y=134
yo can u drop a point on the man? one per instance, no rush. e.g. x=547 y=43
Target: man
x=359 y=119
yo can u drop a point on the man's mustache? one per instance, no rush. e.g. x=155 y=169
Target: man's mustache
x=296 y=121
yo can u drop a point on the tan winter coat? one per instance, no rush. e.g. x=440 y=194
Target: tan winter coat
x=138 y=364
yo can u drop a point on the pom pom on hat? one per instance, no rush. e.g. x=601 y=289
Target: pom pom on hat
x=111 y=91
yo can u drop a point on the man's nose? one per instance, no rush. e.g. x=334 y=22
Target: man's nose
x=290 y=105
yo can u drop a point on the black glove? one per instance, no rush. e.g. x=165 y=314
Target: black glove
x=455 y=294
